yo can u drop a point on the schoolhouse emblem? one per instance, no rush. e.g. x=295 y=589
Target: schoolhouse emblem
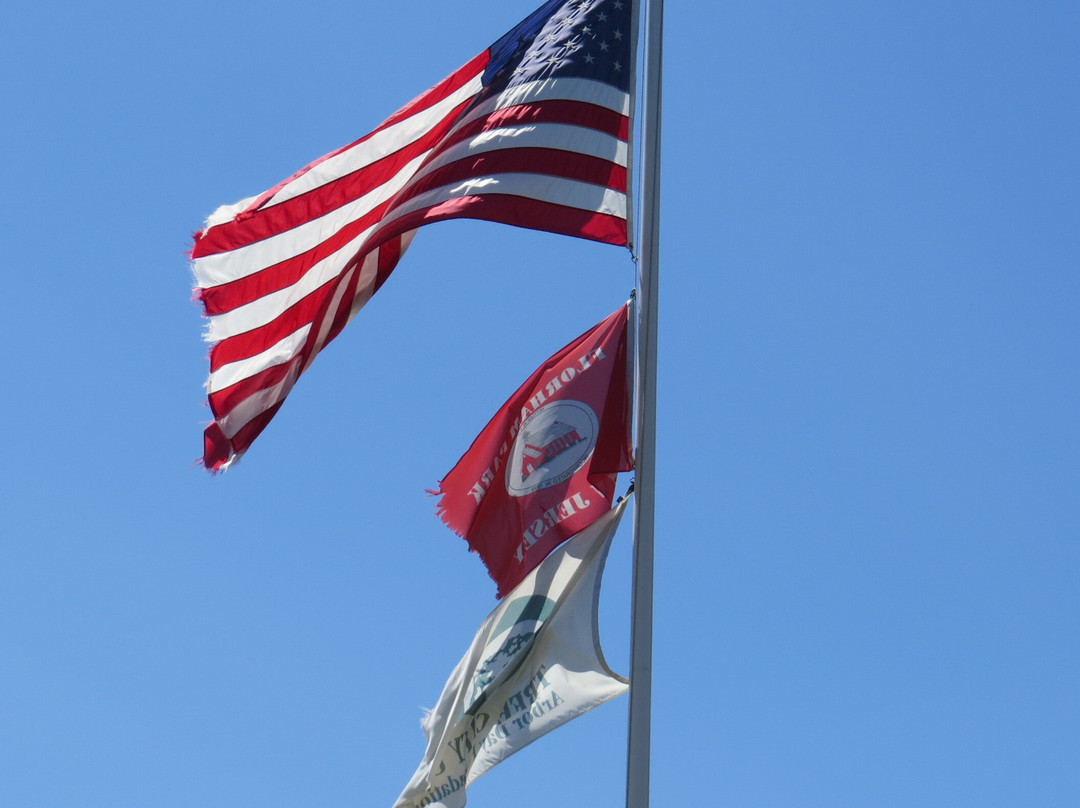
x=552 y=444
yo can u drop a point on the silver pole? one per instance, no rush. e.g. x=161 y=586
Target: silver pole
x=640 y=707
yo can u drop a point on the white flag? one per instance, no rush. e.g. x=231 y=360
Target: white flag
x=534 y=664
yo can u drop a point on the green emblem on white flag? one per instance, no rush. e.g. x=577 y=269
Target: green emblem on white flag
x=534 y=664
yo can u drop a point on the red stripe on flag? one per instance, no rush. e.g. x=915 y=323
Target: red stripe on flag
x=556 y=110
x=257 y=340
x=228 y=296
x=546 y=162
x=244 y=438
x=276 y=219
x=344 y=307
x=217 y=451
x=451 y=84
x=520 y=211
x=455 y=81
x=223 y=401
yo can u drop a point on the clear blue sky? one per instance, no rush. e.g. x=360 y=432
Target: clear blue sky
x=868 y=513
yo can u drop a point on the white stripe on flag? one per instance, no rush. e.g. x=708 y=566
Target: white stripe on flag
x=277 y=354
x=214 y=270
x=254 y=405
x=556 y=136
x=543 y=187
x=587 y=91
x=381 y=143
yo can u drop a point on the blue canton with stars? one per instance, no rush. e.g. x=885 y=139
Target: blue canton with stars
x=587 y=39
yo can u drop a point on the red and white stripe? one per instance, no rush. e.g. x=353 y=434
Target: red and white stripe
x=281 y=274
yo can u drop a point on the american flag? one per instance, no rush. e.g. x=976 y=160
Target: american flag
x=532 y=132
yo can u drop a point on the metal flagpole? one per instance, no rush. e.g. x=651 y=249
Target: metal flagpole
x=640 y=707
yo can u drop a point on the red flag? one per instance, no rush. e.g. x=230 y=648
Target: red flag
x=544 y=467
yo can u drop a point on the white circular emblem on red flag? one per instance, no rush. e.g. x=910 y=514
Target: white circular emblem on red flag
x=553 y=443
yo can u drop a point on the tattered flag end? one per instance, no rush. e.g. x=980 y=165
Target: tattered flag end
x=218 y=454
